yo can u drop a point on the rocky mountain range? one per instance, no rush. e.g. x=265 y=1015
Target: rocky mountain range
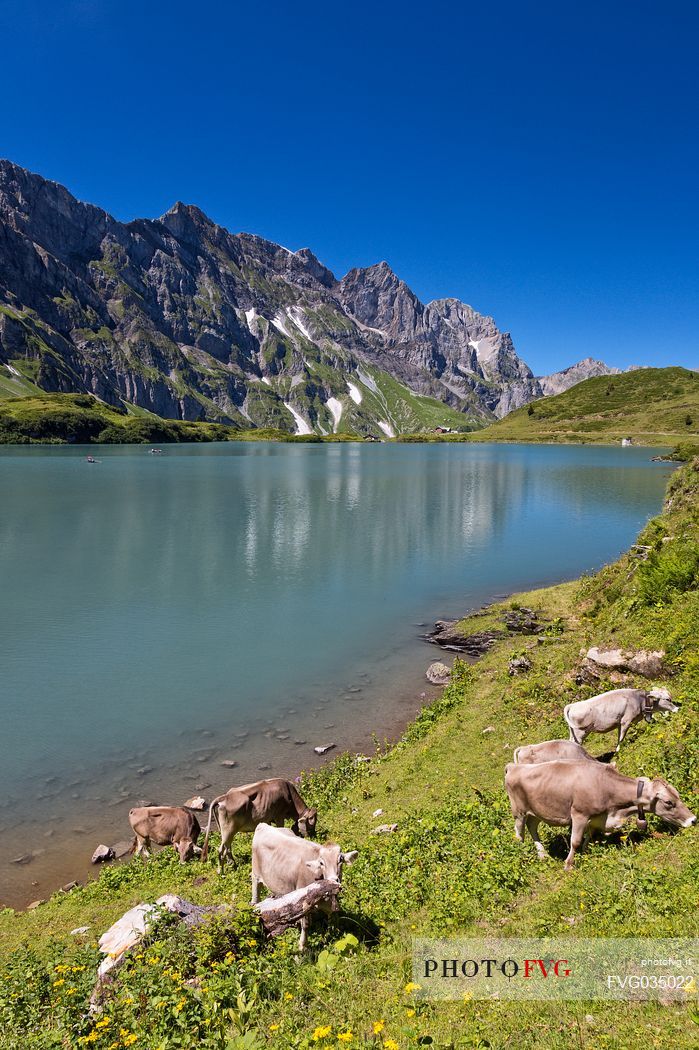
x=179 y=317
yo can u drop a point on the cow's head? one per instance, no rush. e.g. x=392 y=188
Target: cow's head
x=667 y=804
x=306 y=824
x=330 y=862
x=662 y=701
x=186 y=849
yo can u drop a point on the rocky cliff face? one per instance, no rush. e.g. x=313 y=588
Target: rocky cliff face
x=180 y=317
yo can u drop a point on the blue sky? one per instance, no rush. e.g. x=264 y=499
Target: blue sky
x=538 y=160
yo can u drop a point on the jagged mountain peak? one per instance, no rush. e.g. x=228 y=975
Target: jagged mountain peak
x=588 y=367
x=179 y=316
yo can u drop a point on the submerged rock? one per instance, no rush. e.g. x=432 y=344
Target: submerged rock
x=198 y=802
x=229 y=763
x=323 y=749
x=438 y=673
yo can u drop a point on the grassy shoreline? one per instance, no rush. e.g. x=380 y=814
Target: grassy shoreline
x=452 y=867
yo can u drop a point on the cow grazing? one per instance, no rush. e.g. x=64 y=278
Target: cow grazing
x=165 y=826
x=243 y=808
x=617 y=709
x=551 y=751
x=284 y=863
x=588 y=796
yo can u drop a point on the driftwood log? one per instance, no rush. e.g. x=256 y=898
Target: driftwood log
x=278 y=914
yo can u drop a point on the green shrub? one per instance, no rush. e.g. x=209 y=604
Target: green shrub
x=672 y=569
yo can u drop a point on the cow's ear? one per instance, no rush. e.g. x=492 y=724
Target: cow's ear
x=349 y=858
x=316 y=867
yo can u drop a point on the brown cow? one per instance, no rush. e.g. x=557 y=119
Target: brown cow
x=165 y=826
x=588 y=796
x=266 y=801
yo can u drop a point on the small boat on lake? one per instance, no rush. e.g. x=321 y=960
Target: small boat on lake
x=90 y=459
x=156 y=452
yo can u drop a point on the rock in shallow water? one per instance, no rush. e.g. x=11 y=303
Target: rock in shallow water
x=102 y=853
x=198 y=802
x=438 y=673
x=323 y=749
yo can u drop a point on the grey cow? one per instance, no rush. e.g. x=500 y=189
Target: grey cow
x=617 y=709
x=551 y=751
x=586 y=796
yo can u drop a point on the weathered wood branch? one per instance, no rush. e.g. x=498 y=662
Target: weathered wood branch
x=278 y=914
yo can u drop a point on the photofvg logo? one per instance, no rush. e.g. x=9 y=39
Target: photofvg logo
x=617 y=968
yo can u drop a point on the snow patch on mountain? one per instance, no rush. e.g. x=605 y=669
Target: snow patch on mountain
x=335 y=408
x=302 y=426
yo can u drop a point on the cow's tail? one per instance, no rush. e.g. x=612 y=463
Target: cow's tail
x=133 y=845
x=212 y=810
x=566 y=709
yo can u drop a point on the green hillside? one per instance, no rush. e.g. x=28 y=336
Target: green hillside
x=81 y=418
x=651 y=405
x=452 y=867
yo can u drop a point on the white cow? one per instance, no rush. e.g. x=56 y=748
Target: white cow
x=283 y=862
x=617 y=709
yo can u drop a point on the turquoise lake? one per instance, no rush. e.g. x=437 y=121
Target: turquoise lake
x=163 y=613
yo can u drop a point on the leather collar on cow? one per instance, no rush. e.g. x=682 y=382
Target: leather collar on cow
x=641 y=822
x=648 y=707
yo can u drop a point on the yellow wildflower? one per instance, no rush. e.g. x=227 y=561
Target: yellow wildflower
x=345 y=1037
x=390 y=1044
x=130 y=1039
x=322 y=1032
x=273 y=1027
x=59 y=982
x=379 y=1026
x=412 y=987
x=288 y=996
x=410 y=1012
